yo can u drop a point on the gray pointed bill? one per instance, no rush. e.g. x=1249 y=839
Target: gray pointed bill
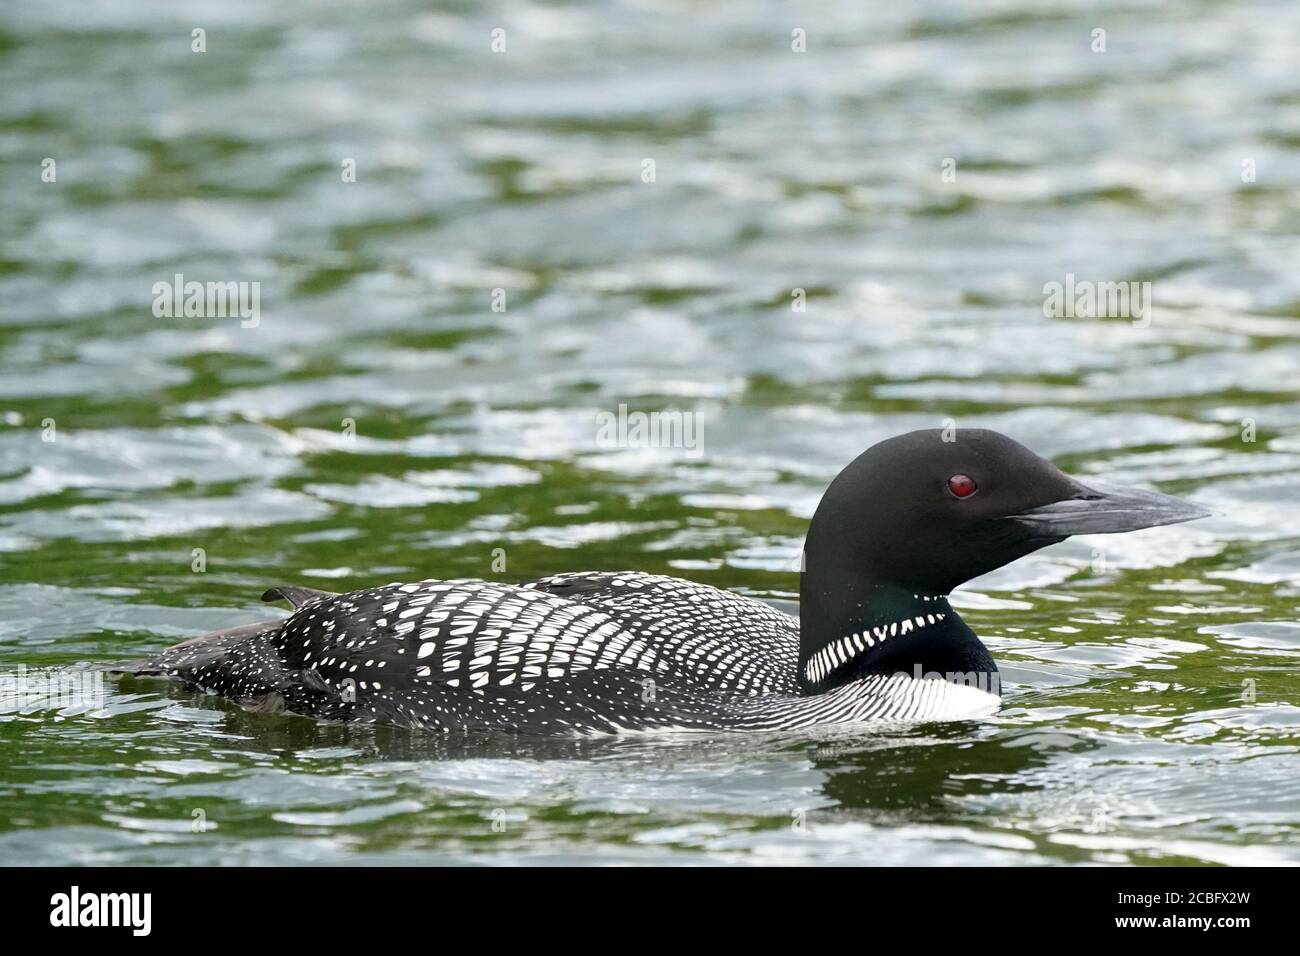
x=1105 y=509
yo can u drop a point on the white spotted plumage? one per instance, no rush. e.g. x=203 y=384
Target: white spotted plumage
x=840 y=652
x=585 y=652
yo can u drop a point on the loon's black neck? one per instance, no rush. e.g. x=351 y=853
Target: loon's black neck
x=914 y=517
x=851 y=626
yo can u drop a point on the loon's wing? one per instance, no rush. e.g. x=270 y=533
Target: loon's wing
x=749 y=646
x=478 y=634
x=623 y=651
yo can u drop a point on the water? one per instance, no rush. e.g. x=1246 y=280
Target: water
x=1152 y=695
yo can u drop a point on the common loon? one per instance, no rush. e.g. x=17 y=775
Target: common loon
x=608 y=652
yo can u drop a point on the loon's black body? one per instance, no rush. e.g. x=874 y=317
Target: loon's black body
x=601 y=652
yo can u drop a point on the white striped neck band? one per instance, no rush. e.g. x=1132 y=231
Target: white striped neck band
x=839 y=652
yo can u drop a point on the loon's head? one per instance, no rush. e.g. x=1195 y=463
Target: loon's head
x=932 y=509
x=921 y=513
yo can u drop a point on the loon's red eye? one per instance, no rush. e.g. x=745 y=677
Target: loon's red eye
x=963 y=486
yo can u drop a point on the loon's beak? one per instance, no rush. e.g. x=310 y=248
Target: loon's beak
x=1101 y=509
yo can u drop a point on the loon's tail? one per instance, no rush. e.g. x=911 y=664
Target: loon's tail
x=181 y=659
